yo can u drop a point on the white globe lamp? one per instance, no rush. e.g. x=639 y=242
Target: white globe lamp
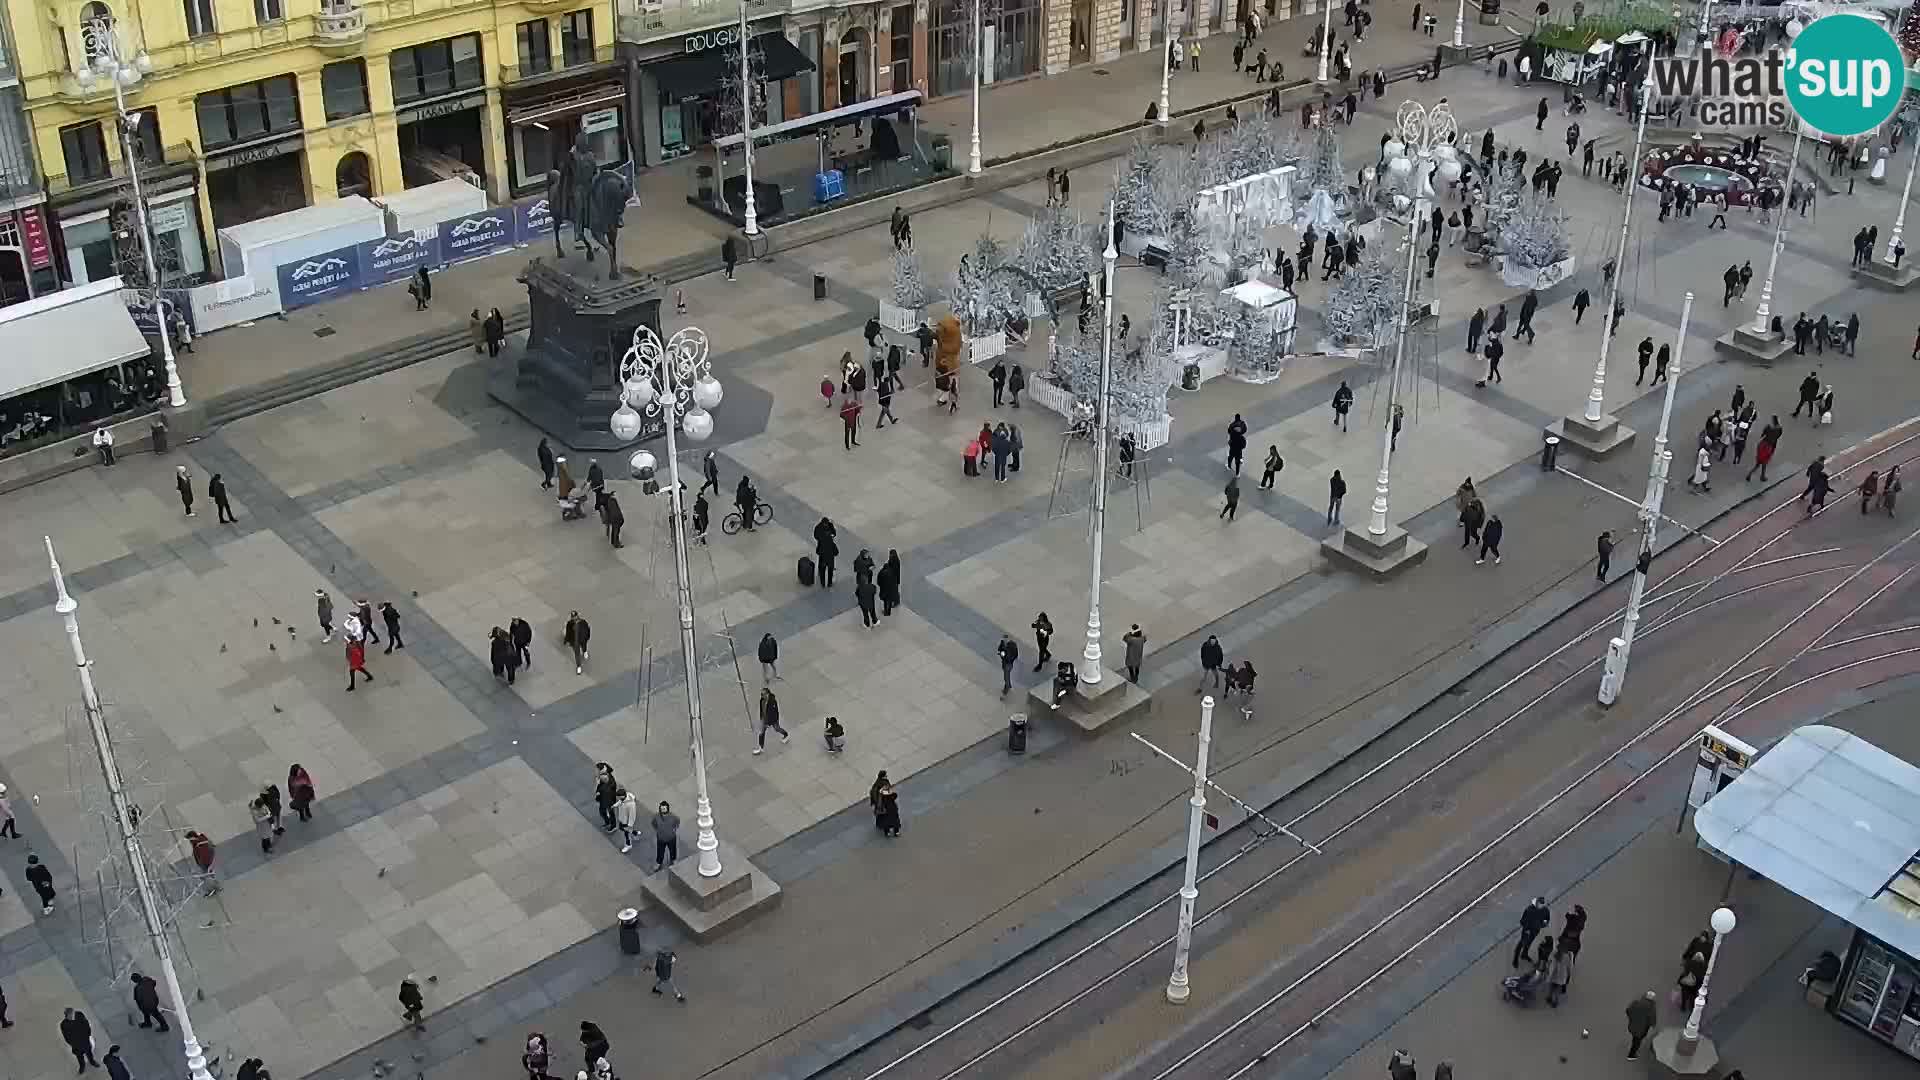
x=707 y=392
x=698 y=424
x=639 y=391
x=625 y=423
x=641 y=464
x=1394 y=148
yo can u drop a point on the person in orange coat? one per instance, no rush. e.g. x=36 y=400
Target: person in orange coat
x=971 y=460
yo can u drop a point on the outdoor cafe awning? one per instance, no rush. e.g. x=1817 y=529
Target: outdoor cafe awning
x=65 y=335
x=1833 y=819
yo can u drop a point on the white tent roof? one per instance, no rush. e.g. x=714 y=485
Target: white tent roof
x=1836 y=820
x=64 y=335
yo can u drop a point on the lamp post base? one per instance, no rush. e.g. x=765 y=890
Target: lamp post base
x=1090 y=706
x=1595 y=440
x=1760 y=349
x=708 y=908
x=1383 y=557
x=1881 y=276
x=1672 y=1056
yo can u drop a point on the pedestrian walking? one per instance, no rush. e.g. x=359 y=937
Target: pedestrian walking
x=413 y=1004
x=576 y=634
x=505 y=659
x=1002 y=446
x=865 y=593
x=769 y=654
x=594 y=1045
x=1236 y=443
x=1336 y=491
x=1605 y=545
x=1009 y=652
x=1232 y=493
x=886 y=806
x=729 y=254
x=1889 y=489
x=1645 y=356
x=1826 y=405
x=1394 y=424
x=1581 y=302
x=9 y=828
x=1343 y=404
x=626 y=817
x=391 y=616
x=1490 y=537
x=1476 y=325
x=183 y=483
x=262 y=824
x=364 y=612
x=850 y=421
x=1642 y=1013
x=666 y=836
x=710 y=472
x=663 y=958
x=1869 y=491
x=615 y=517
x=116 y=1068
x=1702 y=464
x=1495 y=350
x=606 y=791
x=1135 y=641
x=1271 y=468
x=1473 y=517
x=300 y=791
x=217 y=491
x=146 y=998
x=544 y=453
x=520 y=632
x=477 y=332
x=270 y=795
x=1528 y=306
x=357 y=661
x=1661 y=361
x=1042 y=634
x=889 y=582
x=1763 y=453
x=1533 y=919
x=496 y=328
x=1809 y=395
x=1212 y=659
x=1540 y=116
x=1693 y=971
x=769 y=719
x=77 y=1033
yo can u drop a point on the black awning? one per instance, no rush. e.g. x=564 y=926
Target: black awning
x=701 y=73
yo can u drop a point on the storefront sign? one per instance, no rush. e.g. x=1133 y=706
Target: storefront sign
x=474 y=235
x=256 y=153
x=394 y=257
x=531 y=218
x=321 y=277
x=600 y=120
x=446 y=107
x=167 y=217
x=712 y=39
x=33 y=234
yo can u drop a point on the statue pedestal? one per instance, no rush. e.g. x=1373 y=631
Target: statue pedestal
x=566 y=379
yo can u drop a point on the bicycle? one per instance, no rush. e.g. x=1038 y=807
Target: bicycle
x=762 y=514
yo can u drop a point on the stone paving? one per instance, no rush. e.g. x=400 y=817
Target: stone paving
x=474 y=798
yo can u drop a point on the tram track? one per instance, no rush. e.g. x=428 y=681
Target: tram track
x=1112 y=943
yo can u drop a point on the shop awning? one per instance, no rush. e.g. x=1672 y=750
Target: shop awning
x=702 y=72
x=1833 y=819
x=65 y=335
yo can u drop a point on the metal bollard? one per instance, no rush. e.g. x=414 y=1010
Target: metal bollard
x=1549 y=453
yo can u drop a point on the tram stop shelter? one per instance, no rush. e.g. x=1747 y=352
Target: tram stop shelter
x=1835 y=820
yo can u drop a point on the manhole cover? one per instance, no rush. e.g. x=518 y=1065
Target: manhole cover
x=325 y=331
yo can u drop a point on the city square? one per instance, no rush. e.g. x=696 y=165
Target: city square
x=456 y=838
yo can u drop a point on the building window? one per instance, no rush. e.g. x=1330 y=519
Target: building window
x=438 y=67
x=85 y=148
x=900 y=48
x=343 y=88
x=146 y=136
x=576 y=37
x=536 y=48
x=200 y=18
x=96 y=30
x=268 y=11
x=249 y=111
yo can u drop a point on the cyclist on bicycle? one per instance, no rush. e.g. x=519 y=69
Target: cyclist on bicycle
x=746 y=499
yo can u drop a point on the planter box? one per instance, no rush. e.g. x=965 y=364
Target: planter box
x=1526 y=277
x=898 y=319
x=1051 y=396
x=1212 y=361
x=982 y=349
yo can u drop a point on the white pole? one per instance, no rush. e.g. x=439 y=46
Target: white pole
x=1166 y=63
x=979 y=58
x=1723 y=923
x=1460 y=25
x=1178 y=988
x=1597 y=396
x=1377 y=522
x=110 y=42
x=1761 y=314
x=1706 y=8
x=1326 y=41
x=1090 y=672
x=1614 y=677
x=708 y=841
x=1900 y=219
x=746 y=141
x=123 y=819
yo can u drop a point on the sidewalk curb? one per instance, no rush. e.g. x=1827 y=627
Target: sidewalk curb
x=962 y=975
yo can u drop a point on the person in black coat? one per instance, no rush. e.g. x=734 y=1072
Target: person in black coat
x=1236 y=443
x=729 y=254
x=217 y=491
x=77 y=1033
x=391 y=616
x=606 y=791
x=826 y=548
x=614 y=517
x=1476 y=326
x=597 y=483
x=1490 y=540
x=889 y=582
x=1527 y=307
x=577 y=634
x=864 y=594
x=146 y=998
x=520 y=632
x=545 y=454
x=1212 y=659
x=496 y=332
x=506 y=662
x=863 y=566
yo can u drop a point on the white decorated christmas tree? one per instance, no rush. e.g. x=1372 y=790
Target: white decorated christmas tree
x=1321 y=170
x=1534 y=234
x=982 y=293
x=1287 y=146
x=1057 y=249
x=1133 y=196
x=1255 y=352
x=909 y=284
x=1365 y=306
x=1187 y=253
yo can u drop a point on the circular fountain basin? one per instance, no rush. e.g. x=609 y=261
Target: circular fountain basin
x=1707 y=177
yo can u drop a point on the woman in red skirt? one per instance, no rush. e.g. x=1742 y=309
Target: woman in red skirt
x=356 y=663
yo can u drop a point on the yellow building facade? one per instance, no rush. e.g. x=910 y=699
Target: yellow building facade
x=245 y=108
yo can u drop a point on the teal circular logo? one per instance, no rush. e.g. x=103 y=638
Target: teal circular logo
x=1846 y=75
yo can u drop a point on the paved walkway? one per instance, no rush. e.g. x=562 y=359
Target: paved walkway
x=454 y=834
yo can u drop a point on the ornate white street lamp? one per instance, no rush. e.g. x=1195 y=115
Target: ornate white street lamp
x=1900 y=219
x=1179 y=988
x=110 y=63
x=1460 y=25
x=1326 y=41
x=124 y=818
x=752 y=226
x=1762 y=314
x=1597 y=392
x=979 y=58
x=1090 y=672
x=1166 y=63
x=676 y=384
x=1722 y=923
x=1423 y=134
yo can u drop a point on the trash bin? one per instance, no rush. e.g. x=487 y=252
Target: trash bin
x=819 y=286
x=159 y=430
x=1549 y=453
x=1017 y=734
x=630 y=931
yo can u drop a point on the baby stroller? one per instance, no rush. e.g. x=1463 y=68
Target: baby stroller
x=573 y=505
x=1521 y=989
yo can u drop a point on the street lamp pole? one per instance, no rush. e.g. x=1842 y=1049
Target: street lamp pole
x=124 y=817
x=1178 y=988
x=1090 y=672
x=752 y=227
x=1460 y=25
x=1613 y=676
x=1597 y=395
x=686 y=392
x=1723 y=923
x=1900 y=219
x=1326 y=40
x=1166 y=63
x=979 y=58
x=1761 y=314
x=108 y=62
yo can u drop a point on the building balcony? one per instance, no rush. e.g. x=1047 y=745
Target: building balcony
x=171 y=160
x=602 y=60
x=340 y=28
x=639 y=21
